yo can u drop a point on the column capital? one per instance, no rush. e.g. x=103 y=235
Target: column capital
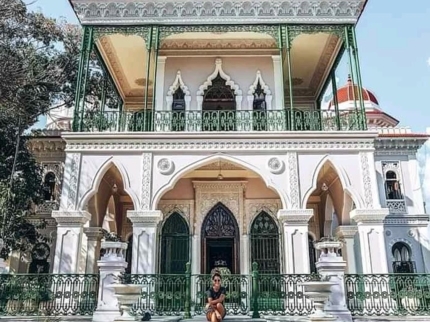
x=93 y=233
x=71 y=218
x=145 y=218
x=369 y=216
x=346 y=231
x=296 y=217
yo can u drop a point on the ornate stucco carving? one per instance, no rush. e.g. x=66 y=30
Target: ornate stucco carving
x=253 y=207
x=209 y=193
x=276 y=165
x=367 y=182
x=183 y=207
x=72 y=193
x=145 y=195
x=295 y=11
x=165 y=166
x=194 y=141
x=293 y=180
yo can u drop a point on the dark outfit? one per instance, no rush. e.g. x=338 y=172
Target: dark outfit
x=215 y=295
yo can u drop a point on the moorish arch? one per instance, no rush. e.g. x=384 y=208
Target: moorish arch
x=217 y=199
x=219 y=87
x=109 y=165
x=331 y=201
x=108 y=207
x=213 y=159
x=220 y=240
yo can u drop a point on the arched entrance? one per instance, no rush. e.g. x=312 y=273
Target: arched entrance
x=220 y=240
x=175 y=241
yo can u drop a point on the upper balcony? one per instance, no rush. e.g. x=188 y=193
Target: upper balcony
x=215 y=78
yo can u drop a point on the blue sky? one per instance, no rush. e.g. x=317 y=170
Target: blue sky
x=394 y=48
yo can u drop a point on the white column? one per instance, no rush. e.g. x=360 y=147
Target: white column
x=296 y=251
x=349 y=235
x=244 y=255
x=159 y=91
x=145 y=248
x=94 y=237
x=279 y=82
x=195 y=257
x=70 y=233
x=370 y=223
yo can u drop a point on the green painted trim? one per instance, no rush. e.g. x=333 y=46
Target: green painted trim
x=84 y=75
x=360 y=85
x=335 y=100
x=75 y=124
x=290 y=82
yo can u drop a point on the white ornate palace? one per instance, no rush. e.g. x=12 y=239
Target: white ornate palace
x=212 y=146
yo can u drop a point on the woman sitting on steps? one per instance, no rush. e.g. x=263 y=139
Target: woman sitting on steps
x=215 y=311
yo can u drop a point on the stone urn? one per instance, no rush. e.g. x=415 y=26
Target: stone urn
x=329 y=248
x=127 y=295
x=114 y=250
x=319 y=293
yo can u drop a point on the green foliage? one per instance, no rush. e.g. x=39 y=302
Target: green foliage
x=38 y=63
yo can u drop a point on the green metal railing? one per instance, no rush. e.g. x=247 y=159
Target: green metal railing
x=222 y=121
x=48 y=294
x=283 y=295
x=185 y=294
x=388 y=294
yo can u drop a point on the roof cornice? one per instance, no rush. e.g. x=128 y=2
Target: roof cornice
x=168 y=12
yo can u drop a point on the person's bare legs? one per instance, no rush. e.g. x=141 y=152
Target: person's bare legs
x=219 y=311
x=214 y=316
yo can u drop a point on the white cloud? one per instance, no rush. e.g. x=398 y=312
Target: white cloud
x=428 y=61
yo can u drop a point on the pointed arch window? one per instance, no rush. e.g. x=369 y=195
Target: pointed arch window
x=49 y=184
x=265 y=244
x=178 y=110
x=393 y=188
x=175 y=251
x=402 y=259
x=219 y=106
x=259 y=103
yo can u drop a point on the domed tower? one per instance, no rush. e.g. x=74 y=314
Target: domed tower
x=348 y=99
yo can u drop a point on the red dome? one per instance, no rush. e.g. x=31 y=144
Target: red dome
x=347 y=93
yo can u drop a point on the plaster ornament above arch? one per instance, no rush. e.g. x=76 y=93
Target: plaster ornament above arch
x=228 y=81
x=275 y=165
x=165 y=166
x=178 y=82
x=264 y=87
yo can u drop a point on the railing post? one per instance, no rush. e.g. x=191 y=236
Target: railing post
x=255 y=313
x=187 y=313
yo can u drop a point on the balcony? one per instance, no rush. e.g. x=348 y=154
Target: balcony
x=222 y=121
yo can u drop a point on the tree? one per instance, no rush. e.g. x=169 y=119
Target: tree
x=38 y=65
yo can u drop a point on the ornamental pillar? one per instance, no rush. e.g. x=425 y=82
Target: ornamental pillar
x=370 y=224
x=94 y=237
x=70 y=234
x=349 y=234
x=145 y=244
x=295 y=231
